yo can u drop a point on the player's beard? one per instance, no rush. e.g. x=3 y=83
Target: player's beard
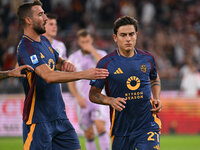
x=38 y=29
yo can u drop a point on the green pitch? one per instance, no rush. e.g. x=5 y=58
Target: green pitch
x=168 y=142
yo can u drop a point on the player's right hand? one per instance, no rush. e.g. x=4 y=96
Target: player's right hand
x=17 y=71
x=96 y=73
x=118 y=103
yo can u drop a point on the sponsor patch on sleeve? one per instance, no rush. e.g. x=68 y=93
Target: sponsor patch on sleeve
x=34 y=59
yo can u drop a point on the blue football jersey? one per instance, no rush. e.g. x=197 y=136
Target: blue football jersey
x=129 y=77
x=43 y=101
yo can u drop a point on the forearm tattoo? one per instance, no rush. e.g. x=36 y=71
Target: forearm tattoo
x=155 y=83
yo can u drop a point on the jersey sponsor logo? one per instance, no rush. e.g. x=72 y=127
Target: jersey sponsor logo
x=133 y=83
x=143 y=68
x=118 y=71
x=134 y=95
x=34 y=59
x=51 y=64
x=41 y=55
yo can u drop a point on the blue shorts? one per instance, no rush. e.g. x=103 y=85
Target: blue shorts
x=146 y=141
x=53 y=135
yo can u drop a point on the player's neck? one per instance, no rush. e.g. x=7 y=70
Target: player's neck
x=127 y=53
x=32 y=34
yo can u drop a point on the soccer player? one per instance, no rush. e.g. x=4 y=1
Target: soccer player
x=45 y=124
x=15 y=72
x=51 y=32
x=89 y=114
x=132 y=78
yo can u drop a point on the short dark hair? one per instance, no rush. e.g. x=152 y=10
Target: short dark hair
x=125 y=20
x=82 y=33
x=24 y=11
x=51 y=16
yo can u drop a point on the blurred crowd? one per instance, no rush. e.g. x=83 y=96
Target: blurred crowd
x=170 y=29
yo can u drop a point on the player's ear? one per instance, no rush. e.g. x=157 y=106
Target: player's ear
x=115 y=37
x=28 y=20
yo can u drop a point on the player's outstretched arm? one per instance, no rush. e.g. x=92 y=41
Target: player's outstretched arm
x=60 y=77
x=95 y=96
x=15 y=72
x=155 y=88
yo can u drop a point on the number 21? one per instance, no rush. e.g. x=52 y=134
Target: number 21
x=150 y=138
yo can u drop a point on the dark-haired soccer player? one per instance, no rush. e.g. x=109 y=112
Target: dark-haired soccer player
x=15 y=72
x=45 y=124
x=132 y=78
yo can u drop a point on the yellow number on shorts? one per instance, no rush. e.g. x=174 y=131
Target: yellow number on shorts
x=150 y=138
x=158 y=139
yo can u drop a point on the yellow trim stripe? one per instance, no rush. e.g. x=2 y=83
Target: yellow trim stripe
x=113 y=120
x=118 y=52
x=29 y=76
x=28 y=38
x=32 y=109
x=29 y=139
x=112 y=139
x=157 y=120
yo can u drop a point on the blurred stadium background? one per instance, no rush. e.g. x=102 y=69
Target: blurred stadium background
x=170 y=29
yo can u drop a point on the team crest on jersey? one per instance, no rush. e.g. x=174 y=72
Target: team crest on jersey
x=133 y=83
x=34 y=59
x=143 y=68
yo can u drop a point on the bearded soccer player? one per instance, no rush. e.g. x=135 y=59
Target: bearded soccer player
x=132 y=78
x=45 y=124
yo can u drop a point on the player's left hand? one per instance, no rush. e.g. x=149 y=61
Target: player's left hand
x=68 y=67
x=157 y=106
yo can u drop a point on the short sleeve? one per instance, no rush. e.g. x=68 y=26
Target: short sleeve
x=153 y=73
x=27 y=55
x=99 y=83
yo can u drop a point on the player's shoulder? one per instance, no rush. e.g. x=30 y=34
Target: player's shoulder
x=44 y=39
x=108 y=58
x=144 y=53
x=25 y=43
